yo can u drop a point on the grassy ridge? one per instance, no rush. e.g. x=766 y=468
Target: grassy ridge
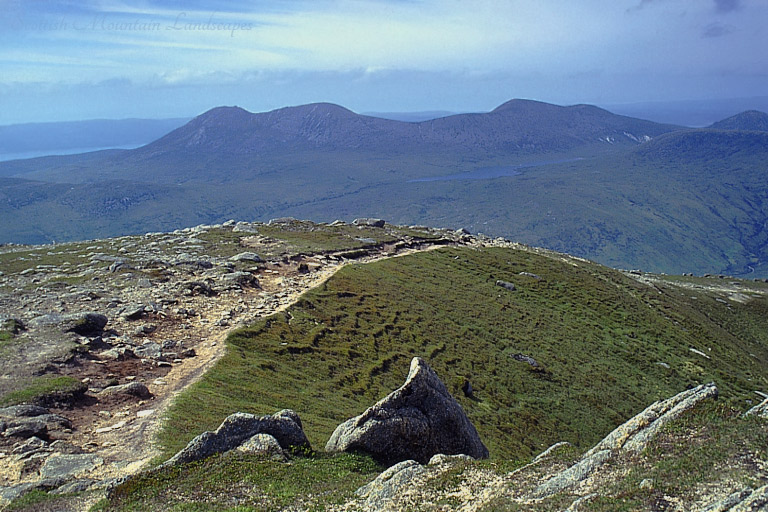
x=599 y=336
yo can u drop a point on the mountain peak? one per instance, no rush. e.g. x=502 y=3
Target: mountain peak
x=747 y=120
x=313 y=110
x=223 y=114
x=523 y=105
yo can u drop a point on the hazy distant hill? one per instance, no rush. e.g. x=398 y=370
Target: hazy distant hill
x=749 y=120
x=622 y=191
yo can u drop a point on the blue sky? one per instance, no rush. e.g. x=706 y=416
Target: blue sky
x=68 y=60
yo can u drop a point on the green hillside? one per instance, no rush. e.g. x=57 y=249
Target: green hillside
x=607 y=346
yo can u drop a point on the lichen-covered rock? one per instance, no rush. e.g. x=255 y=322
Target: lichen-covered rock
x=636 y=433
x=250 y=257
x=84 y=324
x=760 y=409
x=374 y=223
x=389 y=484
x=264 y=445
x=572 y=475
x=416 y=421
x=442 y=458
x=549 y=452
x=746 y=500
x=284 y=426
x=633 y=436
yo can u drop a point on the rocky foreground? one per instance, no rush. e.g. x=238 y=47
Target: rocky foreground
x=99 y=336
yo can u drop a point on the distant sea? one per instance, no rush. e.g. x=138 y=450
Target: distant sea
x=4 y=157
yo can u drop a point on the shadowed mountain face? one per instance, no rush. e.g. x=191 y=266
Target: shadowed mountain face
x=516 y=126
x=578 y=179
x=229 y=144
x=749 y=120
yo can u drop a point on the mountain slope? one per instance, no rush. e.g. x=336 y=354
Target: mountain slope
x=748 y=120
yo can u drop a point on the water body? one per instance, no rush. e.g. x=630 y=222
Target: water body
x=489 y=173
x=4 y=157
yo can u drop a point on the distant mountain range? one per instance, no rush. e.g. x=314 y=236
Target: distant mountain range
x=580 y=179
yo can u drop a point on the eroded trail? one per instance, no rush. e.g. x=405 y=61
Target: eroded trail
x=132 y=444
x=120 y=430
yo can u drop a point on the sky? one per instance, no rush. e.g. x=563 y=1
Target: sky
x=111 y=59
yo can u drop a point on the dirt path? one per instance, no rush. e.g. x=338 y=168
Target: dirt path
x=125 y=437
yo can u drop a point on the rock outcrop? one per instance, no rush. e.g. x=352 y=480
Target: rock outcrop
x=85 y=324
x=263 y=444
x=746 y=500
x=632 y=436
x=374 y=223
x=760 y=409
x=414 y=422
x=380 y=492
x=284 y=426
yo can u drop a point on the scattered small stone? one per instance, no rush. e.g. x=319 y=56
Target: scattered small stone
x=699 y=353
x=133 y=311
x=526 y=359
x=116 y=426
x=506 y=284
x=250 y=257
x=369 y=222
x=132 y=389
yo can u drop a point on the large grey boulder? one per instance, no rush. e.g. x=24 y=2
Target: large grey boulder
x=284 y=426
x=416 y=421
x=85 y=324
x=23 y=411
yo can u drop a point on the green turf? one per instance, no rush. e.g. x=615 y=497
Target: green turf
x=42 y=387
x=241 y=483
x=599 y=336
